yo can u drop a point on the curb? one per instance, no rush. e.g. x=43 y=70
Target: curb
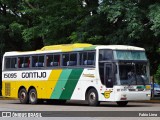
x=148 y=101
x=7 y=98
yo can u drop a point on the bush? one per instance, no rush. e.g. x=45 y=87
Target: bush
x=157 y=75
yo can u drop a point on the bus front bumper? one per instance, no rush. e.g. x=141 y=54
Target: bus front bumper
x=131 y=96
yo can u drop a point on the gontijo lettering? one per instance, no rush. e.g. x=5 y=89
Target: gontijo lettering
x=34 y=75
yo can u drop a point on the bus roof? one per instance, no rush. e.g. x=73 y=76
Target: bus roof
x=73 y=47
x=120 y=47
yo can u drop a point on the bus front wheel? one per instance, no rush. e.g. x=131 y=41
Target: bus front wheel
x=92 y=97
x=33 y=96
x=23 y=96
x=122 y=103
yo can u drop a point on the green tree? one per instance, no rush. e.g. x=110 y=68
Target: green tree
x=127 y=22
x=31 y=24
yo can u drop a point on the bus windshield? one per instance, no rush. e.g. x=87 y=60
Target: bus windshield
x=132 y=73
x=129 y=55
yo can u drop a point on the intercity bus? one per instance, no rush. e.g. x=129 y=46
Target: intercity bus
x=80 y=71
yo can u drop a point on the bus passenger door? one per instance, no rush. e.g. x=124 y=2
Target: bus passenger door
x=108 y=75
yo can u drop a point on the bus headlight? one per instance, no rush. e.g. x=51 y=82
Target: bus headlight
x=148 y=95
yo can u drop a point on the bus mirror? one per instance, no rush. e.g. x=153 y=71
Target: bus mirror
x=115 y=68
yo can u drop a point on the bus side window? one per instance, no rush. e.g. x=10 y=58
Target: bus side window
x=23 y=62
x=11 y=63
x=20 y=62
x=73 y=60
x=34 y=60
x=87 y=58
x=91 y=58
x=65 y=59
x=53 y=60
x=49 y=61
x=105 y=55
x=83 y=58
x=38 y=61
x=26 y=62
x=7 y=62
x=56 y=60
x=29 y=61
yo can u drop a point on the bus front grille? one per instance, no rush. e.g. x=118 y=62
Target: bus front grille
x=7 y=89
x=132 y=89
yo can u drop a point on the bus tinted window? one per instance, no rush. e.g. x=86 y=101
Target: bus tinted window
x=37 y=61
x=73 y=60
x=53 y=60
x=11 y=63
x=57 y=60
x=23 y=62
x=105 y=55
x=49 y=60
x=65 y=59
x=69 y=59
x=7 y=62
x=87 y=58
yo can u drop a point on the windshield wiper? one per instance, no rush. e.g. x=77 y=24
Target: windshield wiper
x=131 y=78
x=142 y=80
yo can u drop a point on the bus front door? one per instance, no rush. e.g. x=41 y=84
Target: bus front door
x=108 y=75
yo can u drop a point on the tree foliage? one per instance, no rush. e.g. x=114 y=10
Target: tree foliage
x=31 y=24
x=157 y=75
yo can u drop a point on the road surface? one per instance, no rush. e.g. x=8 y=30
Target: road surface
x=14 y=105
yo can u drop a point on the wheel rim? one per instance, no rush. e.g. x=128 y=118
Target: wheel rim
x=32 y=96
x=23 y=95
x=92 y=97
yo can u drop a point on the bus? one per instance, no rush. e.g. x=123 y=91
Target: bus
x=80 y=71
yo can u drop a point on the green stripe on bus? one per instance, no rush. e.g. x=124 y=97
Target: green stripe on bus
x=61 y=84
x=71 y=84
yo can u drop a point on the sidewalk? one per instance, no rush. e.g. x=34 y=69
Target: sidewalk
x=153 y=100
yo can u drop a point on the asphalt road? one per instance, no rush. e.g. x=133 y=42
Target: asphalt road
x=14 y=105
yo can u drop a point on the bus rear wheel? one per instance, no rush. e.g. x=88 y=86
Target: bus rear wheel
x=122 y=103
x=33 y=96
x=23 y=96
x=92 y=97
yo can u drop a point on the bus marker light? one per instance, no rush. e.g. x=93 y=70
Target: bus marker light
x=148 y=95
x=123 y=98
x=148 y=87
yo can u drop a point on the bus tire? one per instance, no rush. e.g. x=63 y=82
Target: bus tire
x=92 y=97
x=23 y=96
x=33 y=96
x=122 y=103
